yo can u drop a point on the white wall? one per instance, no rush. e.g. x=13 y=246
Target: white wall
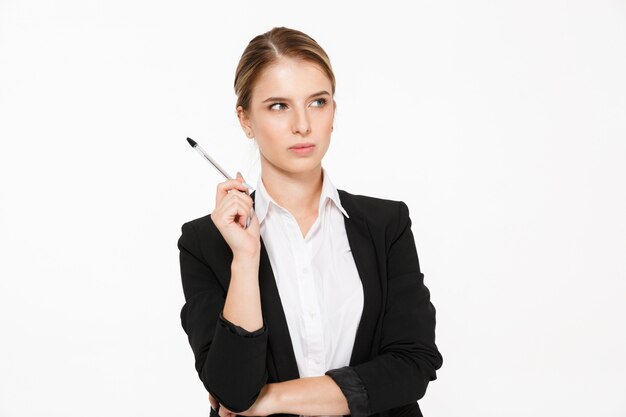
x=502 y=125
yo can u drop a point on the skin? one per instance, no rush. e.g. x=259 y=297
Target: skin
x=295 y=183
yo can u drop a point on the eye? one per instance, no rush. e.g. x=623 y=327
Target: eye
x=271 y=107
x=322 y=101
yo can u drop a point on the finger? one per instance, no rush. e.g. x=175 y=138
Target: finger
x=239 y=177
x=254 y=221
x=240 y=198
x=225 y=186
x=236 y=212
x=243 y=212
x=243 y=197
x=243 y=218
x=225 y=412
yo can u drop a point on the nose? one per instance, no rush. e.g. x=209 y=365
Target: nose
x=301 y=122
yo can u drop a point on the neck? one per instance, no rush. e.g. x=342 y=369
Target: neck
x=299 y=193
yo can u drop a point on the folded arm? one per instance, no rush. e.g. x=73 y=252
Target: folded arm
x=230 y=361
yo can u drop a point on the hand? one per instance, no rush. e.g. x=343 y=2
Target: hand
x=232 y=208
x=213 y=401
x=263 y=406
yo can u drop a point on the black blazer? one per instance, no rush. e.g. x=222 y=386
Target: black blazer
x=394 y=354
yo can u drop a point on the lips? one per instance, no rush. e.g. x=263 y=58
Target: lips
x=302 y=145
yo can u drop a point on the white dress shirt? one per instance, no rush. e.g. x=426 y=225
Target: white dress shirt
x=317 y=279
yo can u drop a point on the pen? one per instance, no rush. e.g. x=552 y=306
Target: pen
x=219 y=168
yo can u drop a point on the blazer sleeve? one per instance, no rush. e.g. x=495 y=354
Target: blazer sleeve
x=408 y=357
x=230 y=361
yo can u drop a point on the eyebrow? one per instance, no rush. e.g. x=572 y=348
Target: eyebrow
x=319 y=93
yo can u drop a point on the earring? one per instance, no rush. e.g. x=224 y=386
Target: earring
x=249 y=133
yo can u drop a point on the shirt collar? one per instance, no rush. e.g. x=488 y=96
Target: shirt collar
x=262 y=199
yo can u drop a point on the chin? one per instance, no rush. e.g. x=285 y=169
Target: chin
x=303 y=165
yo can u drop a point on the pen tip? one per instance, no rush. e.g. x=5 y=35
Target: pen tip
x=192 y=142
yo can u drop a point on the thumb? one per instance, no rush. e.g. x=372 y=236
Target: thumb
x=239 y=175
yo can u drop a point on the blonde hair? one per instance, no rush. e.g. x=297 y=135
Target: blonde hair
x=266 y=48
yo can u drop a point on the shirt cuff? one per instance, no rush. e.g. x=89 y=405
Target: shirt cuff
x=240 y=330
x=353 y=389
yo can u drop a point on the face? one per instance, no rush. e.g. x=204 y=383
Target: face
x=291 y=103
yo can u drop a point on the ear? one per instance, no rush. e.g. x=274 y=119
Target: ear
x=244 y=120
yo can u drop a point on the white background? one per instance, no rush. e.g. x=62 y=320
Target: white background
x=502 y=125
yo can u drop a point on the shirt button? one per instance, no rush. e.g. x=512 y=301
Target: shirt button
x=305 y=270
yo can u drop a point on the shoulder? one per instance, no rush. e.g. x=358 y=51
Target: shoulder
x=200 y=235
x=194 y=226
x=203 y=222
x=368 y=202
x=379 y=213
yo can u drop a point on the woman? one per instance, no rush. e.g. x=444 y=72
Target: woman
x=318 y=307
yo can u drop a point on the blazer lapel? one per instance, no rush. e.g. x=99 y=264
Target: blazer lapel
x=365 y=258
x=281 y=356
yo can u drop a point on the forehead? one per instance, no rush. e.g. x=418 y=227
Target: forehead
x=290 y=78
